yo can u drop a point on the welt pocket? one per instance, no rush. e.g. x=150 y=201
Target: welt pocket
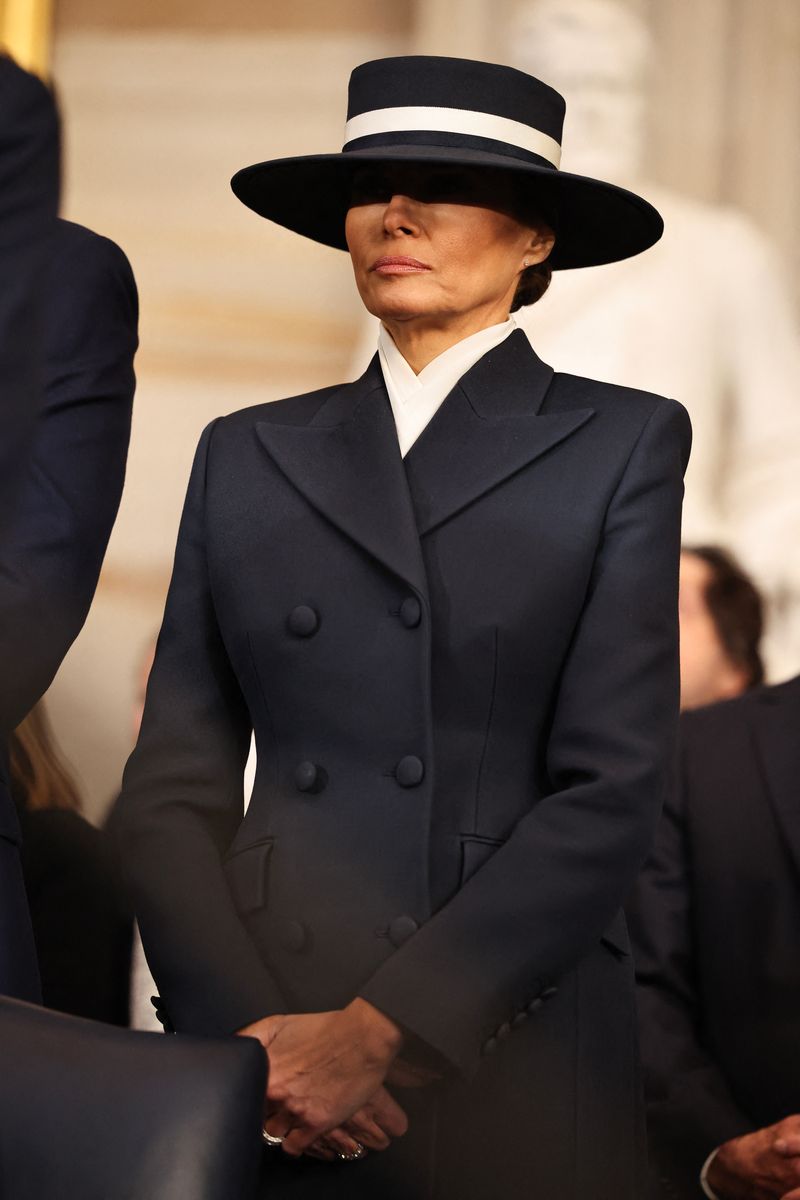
x=247 y=873
x=615 y=937
x=475 y=852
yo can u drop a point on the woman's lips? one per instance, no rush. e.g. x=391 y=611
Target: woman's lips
x=398 y=264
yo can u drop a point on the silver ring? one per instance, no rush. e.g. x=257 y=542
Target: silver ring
x=358 y=1153
x=272 y=1141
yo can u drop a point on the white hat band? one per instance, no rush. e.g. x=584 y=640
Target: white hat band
x=412 y=119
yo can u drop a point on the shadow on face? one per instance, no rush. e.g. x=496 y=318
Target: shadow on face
x=480 y=187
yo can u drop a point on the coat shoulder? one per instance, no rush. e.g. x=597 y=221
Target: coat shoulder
x=77 y=248
x=292 y=410
x=624 y=417
x=632 y=405
x=91 y=293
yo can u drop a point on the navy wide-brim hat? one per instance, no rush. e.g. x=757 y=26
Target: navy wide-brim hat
x=453 y=111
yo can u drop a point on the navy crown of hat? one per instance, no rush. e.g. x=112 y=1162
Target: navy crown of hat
x=456 y=85
x=437 y=111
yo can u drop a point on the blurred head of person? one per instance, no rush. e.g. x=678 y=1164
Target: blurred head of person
x=39 y=776
x=721 y=622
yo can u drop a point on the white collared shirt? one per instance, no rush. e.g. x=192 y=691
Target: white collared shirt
x=415 y=398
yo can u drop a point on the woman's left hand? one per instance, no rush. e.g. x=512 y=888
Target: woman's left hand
x=323 y=1068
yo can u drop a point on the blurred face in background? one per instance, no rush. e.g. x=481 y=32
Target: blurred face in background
x=708 y=674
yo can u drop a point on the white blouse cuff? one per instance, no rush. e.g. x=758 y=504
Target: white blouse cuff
x=704 y=1184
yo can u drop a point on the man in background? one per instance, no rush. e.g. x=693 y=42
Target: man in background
x=721 y=622
x=715 y=924
x=68 y=334
x=29 y=173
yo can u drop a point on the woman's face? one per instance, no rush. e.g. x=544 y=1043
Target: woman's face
x=438 y=243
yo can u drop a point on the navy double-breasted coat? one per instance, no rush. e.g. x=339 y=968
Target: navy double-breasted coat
x=461 y=669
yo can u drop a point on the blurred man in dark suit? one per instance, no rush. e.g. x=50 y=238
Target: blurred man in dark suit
x=29 y=170
x=61 y=515
x=716 y=929
x=66 y=504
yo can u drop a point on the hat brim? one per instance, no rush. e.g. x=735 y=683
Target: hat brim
x=597 y=222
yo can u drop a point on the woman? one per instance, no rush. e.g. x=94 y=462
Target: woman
x=455 y=637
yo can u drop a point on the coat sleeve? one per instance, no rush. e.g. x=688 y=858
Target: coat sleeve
x=29 y=190
x=547 y=895
x=182 y=801
x=690 y=1109
x=58 y=527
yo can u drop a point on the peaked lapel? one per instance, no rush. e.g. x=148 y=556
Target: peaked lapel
x=776 y=726
x=488 y=428
x=346 y=462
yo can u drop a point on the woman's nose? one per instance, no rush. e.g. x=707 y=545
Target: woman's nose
x=400 y=215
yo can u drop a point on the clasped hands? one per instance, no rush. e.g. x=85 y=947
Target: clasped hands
x=764 y=1165
x=325 y=1093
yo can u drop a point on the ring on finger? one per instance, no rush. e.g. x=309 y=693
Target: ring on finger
x=359 y=1152
x=272 y=1140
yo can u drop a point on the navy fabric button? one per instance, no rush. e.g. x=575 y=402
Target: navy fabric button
x=303 y=621
x=504 y=1031
x=410 y=612
x=410 y=771
x=293 y=936
x=535 y=1005
x=519 y=1020
x=308 y=777
x=489 y=1046
x=401 y=929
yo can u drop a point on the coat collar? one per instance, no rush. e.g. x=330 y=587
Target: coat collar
x=776 y=727
x=346 y=460
x=489 y=427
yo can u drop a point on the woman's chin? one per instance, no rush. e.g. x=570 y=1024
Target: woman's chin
x=397 y=308
x=400 y=303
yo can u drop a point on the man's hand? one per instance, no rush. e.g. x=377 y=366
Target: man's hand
x=764 y=1165
x=326 y=1067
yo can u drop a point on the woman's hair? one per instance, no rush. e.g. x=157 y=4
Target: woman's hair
x=39 y=776
x=533 y=283
x=533 y=210
x=736 y=608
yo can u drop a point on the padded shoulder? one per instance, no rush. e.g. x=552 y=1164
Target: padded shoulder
x=292 y=410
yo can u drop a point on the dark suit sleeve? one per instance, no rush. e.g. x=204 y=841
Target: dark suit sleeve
x=690 y=1110
x=67 y=501
x=182 y=802
x=544 y=899
x=29 y=186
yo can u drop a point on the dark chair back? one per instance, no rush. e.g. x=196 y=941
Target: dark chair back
x=93 y=1112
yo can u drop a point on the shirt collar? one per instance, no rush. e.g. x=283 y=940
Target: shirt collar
x=444 y=371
